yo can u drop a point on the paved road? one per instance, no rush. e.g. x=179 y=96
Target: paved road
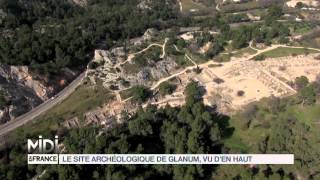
x=29 y=116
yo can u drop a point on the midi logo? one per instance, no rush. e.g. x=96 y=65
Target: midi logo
x=43 y=145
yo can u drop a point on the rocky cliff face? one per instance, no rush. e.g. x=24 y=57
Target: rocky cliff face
x=21 y=91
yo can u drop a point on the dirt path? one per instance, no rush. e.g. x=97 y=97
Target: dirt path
x=170 y=77
x=217 y=7
x=131 y=56
x=177 y=49
x=205 y=65
x=118 y=96
x=180 y=5
x=250 y=45
x=280 y=45
x=164 y=48
x=259 y=51
x=188 y=57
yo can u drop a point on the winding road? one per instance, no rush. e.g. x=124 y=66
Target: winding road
x=35 y=112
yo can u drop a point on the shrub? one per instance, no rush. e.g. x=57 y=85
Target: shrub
x=260 y=57
x=140 y=93
x=282 y=68
x=301 y=82
x=240 y=93
x=93 y=65
x=166 y=88
x=218 y=80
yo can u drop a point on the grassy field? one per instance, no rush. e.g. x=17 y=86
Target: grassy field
x=246 y=140
x=308 y=115
x=300 y=27
x=191 y=6
x=197 y=58
x=237 y=7
x=284 y=51
x=223 y=57
x=252 y=138
x=244 y=51
x=85 y=98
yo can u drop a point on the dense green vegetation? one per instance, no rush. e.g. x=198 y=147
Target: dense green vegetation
x=268 y=31
x=166 y=88
x=65 y=35
x=23 y=13
x=192 y=128
x=311 y=40
x=140 y=93
x=3 y=100
x=274 y=125
x=261 y=33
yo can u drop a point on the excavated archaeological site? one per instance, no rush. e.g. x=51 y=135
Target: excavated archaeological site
x=229 y=85
x=232 y=85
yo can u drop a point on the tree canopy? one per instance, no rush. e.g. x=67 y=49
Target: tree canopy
x=51 y=35
x=186 y=129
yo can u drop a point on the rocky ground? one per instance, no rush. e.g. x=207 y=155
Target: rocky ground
x=22 y=90
x=110 y=67
x=112 y=72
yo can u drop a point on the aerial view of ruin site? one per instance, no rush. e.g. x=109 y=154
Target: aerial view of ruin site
x=160 y=89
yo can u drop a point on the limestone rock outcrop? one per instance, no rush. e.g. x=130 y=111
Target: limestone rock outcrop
x=24 y=90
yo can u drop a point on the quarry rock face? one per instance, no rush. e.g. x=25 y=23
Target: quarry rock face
x=109 y=58
x=110 y=72
x=163 y=68
x=22 y=90
x=22 y=75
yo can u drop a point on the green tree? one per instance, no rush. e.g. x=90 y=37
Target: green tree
x=140 y=93
x=307 y=96
x=274 y=12
x=260 y=57
x=140 y=126
x=193 y=93
x=181 y=43
x=300 y=5
x=3 y=100
x=301 y=82
x=166 y=88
